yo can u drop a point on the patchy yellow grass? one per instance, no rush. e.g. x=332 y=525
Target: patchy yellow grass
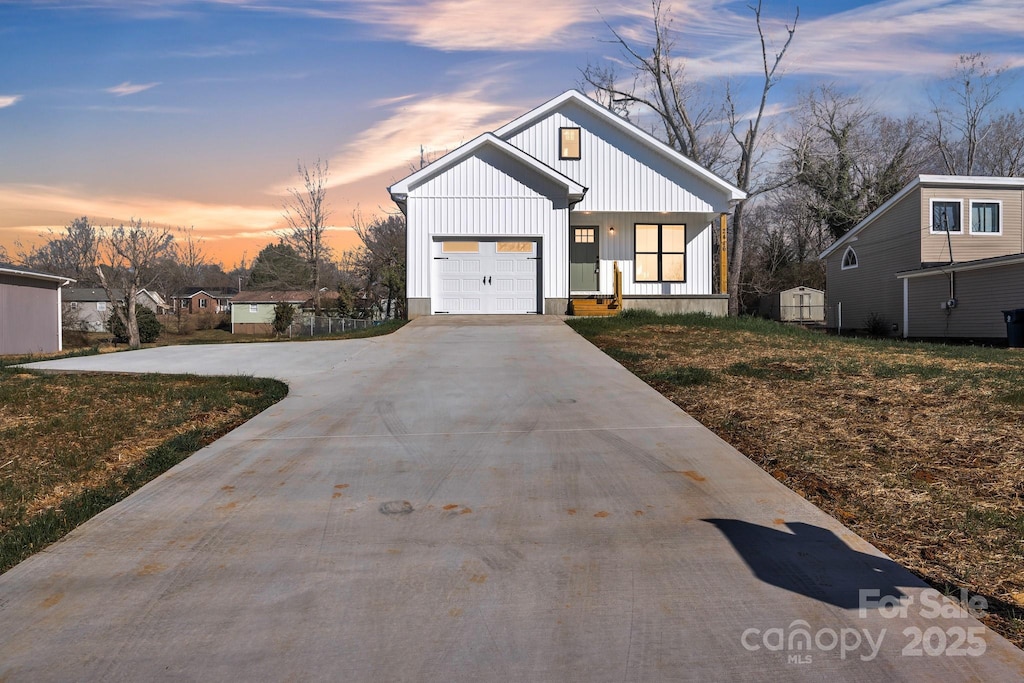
x=62 y=436
x=917 y=448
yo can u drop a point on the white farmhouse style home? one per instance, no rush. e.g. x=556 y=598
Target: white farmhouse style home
x=544 y=210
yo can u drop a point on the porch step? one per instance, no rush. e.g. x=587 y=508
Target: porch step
x=599 y=306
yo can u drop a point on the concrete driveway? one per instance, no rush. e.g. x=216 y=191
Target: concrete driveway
x=467 y=500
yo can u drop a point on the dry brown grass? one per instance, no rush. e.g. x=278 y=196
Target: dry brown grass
x=915 y=447
x=72 y=444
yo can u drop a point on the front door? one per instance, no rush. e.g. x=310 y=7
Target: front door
x=583 y=260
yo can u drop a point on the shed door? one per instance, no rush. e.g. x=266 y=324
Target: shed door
x=486 y=276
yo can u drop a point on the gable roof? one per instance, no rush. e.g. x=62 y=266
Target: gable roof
x=89 y=294
x=961 y=181
x=218 y=293
x=400 y=190
x=266 y=296
x=643 y=137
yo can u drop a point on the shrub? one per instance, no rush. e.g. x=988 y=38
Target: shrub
x=149 y=326
x=284 y=313
x=876 y=325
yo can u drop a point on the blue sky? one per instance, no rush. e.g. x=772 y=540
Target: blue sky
x=194 y=113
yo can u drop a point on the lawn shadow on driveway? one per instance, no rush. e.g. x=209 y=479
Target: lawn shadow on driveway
x=814 y=562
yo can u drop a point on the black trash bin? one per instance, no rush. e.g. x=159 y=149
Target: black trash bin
x=1014 y=328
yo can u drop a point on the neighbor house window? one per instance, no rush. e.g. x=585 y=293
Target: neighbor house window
x=945 y=215
x=74 y=305
x=202 y=303
x=849 y=259
x=568 y=143
x=986 y=218
x=254 y=308
x=660 y=253
x=101 y=305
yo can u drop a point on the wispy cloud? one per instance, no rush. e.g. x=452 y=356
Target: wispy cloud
x=889 y=38
x=212 y=219
x=437 y=123
x=9 y=100
x=214 y=51
x=129 y=88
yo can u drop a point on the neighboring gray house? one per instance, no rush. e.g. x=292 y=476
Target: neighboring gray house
x=87 y=309
x=536 y=213
x=153 y=301
x=799 y=304
x=941 y=259
x=30 y=311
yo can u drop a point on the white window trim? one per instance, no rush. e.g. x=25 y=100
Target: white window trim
x=931 y=212
x=101 y=306
x=842 y=263
x=254 y=308
x=970 y=216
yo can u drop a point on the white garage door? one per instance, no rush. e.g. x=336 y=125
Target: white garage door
x=485 y=276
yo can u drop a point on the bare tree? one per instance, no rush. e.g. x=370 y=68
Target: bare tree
x=131 y=252
x=381 y=262
x=659 y=83
x=689 y=119
x=190 y=253
x=1003 y=151
x=307 y=212
x=71 y=253
x=747 y=134
x=850 y=158
x=961 y=112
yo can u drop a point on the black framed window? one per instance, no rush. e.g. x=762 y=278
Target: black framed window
x=659 y=252
x=569 y=143
x=945 y=216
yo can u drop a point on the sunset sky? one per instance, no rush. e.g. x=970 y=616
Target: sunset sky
x=191 y=113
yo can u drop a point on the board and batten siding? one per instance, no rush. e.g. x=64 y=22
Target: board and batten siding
x=619 y=247
x=967 y=246
x=29 y=315
x=982 y=295
x=889 y=245
x=621 y=173
x=486 y=195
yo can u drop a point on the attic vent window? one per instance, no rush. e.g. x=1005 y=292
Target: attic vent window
x=849 y=259
x=568 y=143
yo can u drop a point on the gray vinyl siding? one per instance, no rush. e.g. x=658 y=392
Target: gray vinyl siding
x=981 y=296
x=29 y=315
x=967 y=246
x=889 y=245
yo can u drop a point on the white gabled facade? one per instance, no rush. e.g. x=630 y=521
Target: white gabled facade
x=513 y=186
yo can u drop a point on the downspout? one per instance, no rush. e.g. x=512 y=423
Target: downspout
x=906 y=307
x=568 y=246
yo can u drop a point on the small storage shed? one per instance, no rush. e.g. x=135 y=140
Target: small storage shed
x=30 y=311
x=796 y=305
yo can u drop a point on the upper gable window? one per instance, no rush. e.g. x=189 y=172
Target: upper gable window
x=568 y=143
x=986 y=217
x=945 y=216
x=849 y=259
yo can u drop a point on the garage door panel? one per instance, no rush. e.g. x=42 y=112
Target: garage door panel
x=497 y=276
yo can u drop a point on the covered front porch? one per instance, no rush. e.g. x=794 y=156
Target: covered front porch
x=659 y=261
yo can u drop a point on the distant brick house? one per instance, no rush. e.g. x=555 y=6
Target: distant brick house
x=30 y=311
x=202 y=299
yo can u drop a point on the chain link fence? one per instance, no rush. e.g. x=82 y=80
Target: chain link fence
x=319 y=326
